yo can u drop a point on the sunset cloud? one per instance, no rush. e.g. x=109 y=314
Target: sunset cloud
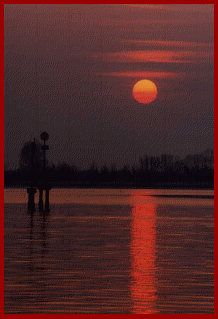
x=143 y=74
x=169 y=43
x=157 y=56
x=175 y=7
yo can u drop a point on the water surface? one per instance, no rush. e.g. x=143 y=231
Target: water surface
x=109 y=251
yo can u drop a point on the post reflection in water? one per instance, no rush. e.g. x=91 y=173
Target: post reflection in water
x=143 y=254
x=31 y=262
x=36 y=257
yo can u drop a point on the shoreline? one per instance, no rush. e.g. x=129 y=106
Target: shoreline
x=112 y=186
x=173 y=195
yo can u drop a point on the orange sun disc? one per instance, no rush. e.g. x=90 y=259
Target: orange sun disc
x=144 y=91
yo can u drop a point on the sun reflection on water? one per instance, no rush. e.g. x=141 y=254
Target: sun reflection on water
x=143 y=255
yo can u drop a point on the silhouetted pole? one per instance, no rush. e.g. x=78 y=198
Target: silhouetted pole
x=31 y=193
x=44 y=161
x=44 y=136
x=41 y=199
x=33 y=150
x=47 y=198
x=32 y=190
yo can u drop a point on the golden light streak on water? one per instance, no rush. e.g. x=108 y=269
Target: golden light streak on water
x=143 y=256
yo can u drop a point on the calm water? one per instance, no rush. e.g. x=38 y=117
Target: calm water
x=109 y=251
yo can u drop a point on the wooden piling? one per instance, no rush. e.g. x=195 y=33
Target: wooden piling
x=41 y=199
x=47 y=199
x=31 y=194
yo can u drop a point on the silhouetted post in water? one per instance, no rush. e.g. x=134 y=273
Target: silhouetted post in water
x=40 y=199
x=44 y=186
x=31 y=193
x=32 y=190
x=47 y=199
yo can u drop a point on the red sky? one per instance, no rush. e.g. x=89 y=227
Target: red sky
x=69 y=69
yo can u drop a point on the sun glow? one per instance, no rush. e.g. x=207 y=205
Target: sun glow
x=144 y=91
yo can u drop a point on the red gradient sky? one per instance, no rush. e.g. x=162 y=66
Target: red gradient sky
x=70 y=69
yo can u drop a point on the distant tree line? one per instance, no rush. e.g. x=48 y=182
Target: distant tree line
x=151 y=171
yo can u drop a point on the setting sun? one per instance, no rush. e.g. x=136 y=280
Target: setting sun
x=144 y=91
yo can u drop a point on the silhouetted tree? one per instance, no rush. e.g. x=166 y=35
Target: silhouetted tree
x=93 y=172
x=25 y=164
x=113 y=173
x=151 y=171
x=104 y=174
